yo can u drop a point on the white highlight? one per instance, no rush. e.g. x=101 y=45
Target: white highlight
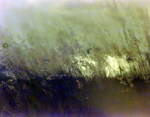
x=115 y=65
x=85 y=65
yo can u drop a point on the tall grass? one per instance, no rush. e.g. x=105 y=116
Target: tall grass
x=50 y=38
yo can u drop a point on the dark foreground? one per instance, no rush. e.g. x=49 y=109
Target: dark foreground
x=65 y=96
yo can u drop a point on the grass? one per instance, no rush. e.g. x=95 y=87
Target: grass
x=47 y=39
x=86 y=42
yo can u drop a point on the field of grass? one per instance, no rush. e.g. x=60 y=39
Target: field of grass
x=52 y=38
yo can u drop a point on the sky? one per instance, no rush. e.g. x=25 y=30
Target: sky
x=18 y=3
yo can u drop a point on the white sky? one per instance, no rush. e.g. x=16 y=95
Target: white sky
x=4 y=3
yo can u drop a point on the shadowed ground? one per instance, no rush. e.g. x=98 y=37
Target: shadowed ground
x=63 y=95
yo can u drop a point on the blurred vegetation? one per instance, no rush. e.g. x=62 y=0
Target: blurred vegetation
x=48 y=39
x=85 y=42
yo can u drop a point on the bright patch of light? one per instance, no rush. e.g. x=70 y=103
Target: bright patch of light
x=117 y=66
x=90 y=61
x=85 y=65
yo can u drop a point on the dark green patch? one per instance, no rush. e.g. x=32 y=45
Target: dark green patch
x=5 y=45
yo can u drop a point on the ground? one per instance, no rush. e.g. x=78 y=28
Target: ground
x=62 y=96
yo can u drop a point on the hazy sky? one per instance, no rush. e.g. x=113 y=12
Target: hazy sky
x=18 y=3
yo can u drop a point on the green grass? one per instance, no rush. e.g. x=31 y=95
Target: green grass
x=45 y=39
